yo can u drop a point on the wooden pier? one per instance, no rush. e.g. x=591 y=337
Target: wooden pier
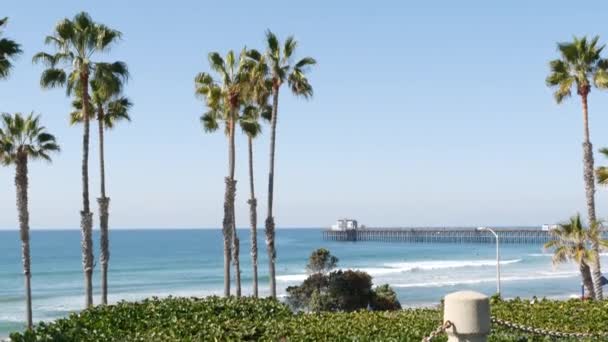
x=440 y=235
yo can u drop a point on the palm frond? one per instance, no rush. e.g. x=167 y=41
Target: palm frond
x=602 y=175
x=600 y=79
x=52 y=78
x=217 y=63
x=210 y=121
x=254 y=55
x=305 y=62
x=105 y=37
x=273 y=46
x=299 y=84
x=23 y=136
x=289 y=47
x=117 y=110
x=9 y=50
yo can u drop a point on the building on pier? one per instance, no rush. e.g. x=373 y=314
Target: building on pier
x=345 y=224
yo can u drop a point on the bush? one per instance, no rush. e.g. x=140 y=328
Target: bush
x=339 y=291
x=247 y=319
x=384 y=299
x=321 y=261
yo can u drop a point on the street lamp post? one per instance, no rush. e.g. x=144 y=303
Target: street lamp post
x=497 y=256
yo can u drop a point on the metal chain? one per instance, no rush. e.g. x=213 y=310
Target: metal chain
x=544 y=332
x=440 y=330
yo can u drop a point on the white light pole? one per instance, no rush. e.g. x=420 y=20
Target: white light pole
x=497 y=256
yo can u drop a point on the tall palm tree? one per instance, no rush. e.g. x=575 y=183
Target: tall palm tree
x=9 y=49
x=281 y=70
x=76 y=41
x=251 y=127
x=581 y=66
x=224 y=102
x=257 y=107
x=110 y=107
x=21 y=139
x=570 y=243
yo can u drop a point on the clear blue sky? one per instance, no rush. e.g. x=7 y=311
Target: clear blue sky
x=425 y=113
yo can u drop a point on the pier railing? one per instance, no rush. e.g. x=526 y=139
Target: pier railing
x=439 y=235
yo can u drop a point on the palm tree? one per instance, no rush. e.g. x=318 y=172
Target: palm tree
x=23 y=138
x=580 y=66
x=251 y=127
x=281 y=70
x=9 y=49
x=224 y=102
x=257 y=107
x=570 y=243
x=110 y=107
x=75 y=42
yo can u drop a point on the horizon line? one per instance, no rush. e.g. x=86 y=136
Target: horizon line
x=281 y=228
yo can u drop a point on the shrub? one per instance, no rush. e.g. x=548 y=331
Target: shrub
x=338 y=291
x=384 y=299
x=321 y=261
x=247 y=319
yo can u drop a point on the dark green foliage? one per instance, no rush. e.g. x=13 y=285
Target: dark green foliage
x=349 y=290
x=564 y=316
x=171 y=319
x=9 y=50
x=337 y=291
x=406 y=325
x=321 y=261
x=299 y=297
x=247 y=319
x=384 y=299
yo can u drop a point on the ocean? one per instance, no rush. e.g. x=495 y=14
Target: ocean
x=146 y=263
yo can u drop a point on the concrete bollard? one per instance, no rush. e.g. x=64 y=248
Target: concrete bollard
x=469 y=313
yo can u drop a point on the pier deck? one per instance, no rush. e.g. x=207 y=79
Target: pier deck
x=440 y=235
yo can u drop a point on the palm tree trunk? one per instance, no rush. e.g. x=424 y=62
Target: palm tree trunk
x=235 y=239
x=235 y=257
x=227 y=232
x=253 y=219
x=587 y=280
x=86 y=217
x=21 y=184
x=104 y=203
x=272 y=254
x=590 y=194
x=228 y=226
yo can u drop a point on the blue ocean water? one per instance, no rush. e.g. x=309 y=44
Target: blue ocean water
x=148 y=263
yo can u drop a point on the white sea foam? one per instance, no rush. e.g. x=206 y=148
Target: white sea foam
x=438 y=264
x=445 y=283
x=292 y=277
x=413 y=266
x=550 y=254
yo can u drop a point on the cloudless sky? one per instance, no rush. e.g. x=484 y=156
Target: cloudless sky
x=425 y=113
